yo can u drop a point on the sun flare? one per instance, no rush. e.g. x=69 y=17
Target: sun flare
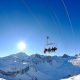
x=21 y=46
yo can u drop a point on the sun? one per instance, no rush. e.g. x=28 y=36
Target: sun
x=21 y=46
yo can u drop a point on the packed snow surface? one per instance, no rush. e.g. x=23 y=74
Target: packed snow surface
x=73 y=78
x=2 y=79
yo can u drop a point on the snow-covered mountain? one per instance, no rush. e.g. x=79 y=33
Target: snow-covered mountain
x=38 y=67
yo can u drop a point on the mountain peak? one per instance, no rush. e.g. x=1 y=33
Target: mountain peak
x=65 y=56
x=20 y=55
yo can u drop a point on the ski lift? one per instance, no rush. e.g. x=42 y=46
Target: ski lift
x=49 y=49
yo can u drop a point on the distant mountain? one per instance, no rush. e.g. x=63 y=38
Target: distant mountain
x=65 y=56
x=38 y=67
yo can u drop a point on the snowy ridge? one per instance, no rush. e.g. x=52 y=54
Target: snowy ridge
x=38 y=67
x=76 y=61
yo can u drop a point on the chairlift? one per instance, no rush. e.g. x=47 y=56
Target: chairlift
x=49 y=49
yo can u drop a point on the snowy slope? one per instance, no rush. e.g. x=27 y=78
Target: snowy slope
x=2 y=79
x=76 y=61
x=38 y=67
x=77 y=77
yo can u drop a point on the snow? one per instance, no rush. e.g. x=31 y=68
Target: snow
x=2 y=79
x=38 y=67
x=76 y=61
x=77 y=77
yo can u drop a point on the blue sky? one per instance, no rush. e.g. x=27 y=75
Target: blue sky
x=32 y=20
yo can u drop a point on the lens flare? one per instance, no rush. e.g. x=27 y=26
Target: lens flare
x=21 y=46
